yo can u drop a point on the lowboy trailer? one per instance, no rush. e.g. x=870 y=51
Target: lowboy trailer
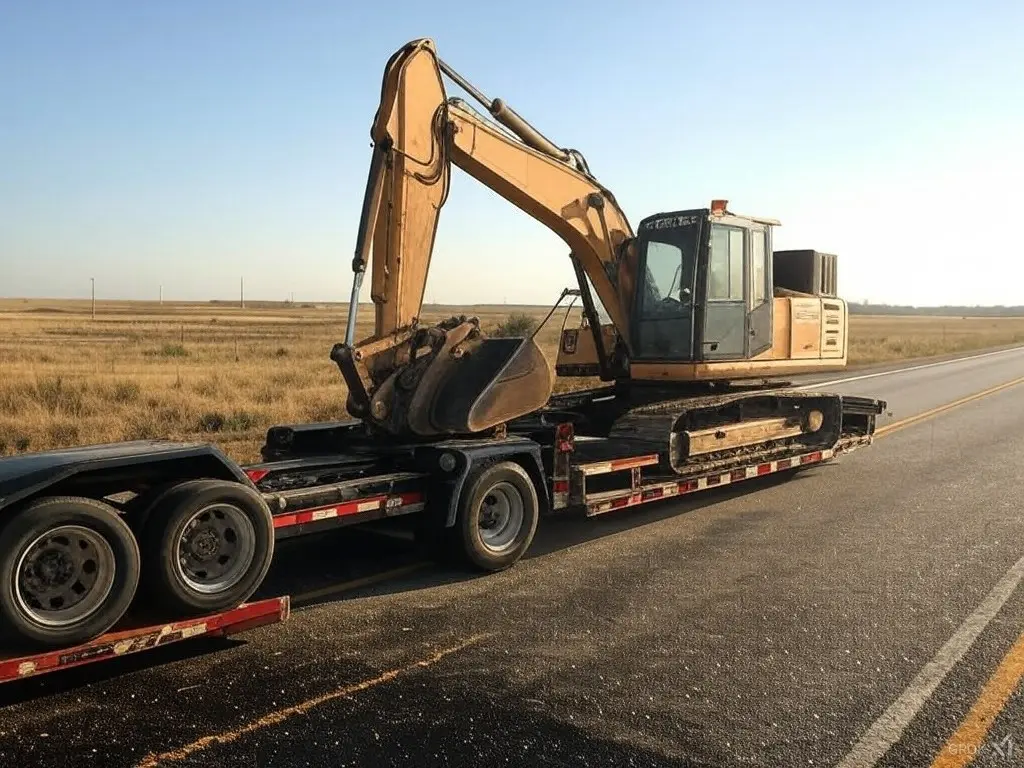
x=92 y=536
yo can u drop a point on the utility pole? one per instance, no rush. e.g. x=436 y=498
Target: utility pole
x=241 y=292
x=92 y=281
x=161 y=295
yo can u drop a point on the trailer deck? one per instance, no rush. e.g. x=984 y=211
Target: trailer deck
x=591 y=475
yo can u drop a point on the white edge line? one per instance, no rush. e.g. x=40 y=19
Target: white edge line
x=888 y=728
x=906 y=370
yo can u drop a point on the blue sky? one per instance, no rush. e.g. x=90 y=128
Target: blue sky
x=185 y=144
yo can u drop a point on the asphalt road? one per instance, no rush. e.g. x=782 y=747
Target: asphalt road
x=767 y=624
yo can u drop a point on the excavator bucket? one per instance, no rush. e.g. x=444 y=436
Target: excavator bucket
x=486 y=382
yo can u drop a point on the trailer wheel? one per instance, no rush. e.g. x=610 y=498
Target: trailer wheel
x=69 y=568
x=497 y=517
x=206 y=547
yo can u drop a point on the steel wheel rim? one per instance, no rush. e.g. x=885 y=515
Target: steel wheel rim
x=215 y=548
x=502 y=512
x=64 y=576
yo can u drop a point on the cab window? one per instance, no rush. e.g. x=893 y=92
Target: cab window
x=758 y=264
x=662 y=279
x=725 y=273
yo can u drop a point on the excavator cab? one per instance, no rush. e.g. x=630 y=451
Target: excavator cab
x=713 y=301
x=704 y=287
x=703 y=293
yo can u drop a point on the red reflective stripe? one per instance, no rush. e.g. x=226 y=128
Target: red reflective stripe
x=354 y=507
x=643 y=495
x=561 y=486
x=126 y=641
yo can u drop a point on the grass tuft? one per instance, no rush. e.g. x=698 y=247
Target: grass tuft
x=171 y=350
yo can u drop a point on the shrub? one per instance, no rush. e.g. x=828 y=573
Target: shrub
x=126 y=392
x=63 y=433
x=517 y=324
x=242 y=421
x=140 y=426
x=171 y=350
x=56 y=396
x=265 y=395
x=211 y=422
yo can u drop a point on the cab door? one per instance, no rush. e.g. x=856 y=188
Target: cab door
x=758 y=290
x=726 y=311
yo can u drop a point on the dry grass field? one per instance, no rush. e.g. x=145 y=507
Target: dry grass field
x=218 y=372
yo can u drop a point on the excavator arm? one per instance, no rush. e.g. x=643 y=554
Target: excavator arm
x=406 y=376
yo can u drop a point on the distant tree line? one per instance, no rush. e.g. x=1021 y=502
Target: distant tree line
x=943 y=311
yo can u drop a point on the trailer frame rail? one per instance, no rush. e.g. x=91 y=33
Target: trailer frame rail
x=131 y=640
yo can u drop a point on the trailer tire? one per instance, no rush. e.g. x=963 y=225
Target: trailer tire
x=497 y=517
x=85 y=545
x=206 y=547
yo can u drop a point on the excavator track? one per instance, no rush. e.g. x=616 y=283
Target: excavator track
x=697 y=433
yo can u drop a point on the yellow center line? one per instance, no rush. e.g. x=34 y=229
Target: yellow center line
x=153 y=760
x=967 y=742
x=895 y=425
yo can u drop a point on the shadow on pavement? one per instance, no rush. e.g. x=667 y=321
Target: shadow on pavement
x=375 y=560
x=434 y=717
x=381 y=559
x=53 y=683
x=452 y=713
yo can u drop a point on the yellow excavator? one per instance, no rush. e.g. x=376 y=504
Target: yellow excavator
x=687 y=319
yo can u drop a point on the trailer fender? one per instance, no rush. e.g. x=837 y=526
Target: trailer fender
x=98 y=471
x=451 y=463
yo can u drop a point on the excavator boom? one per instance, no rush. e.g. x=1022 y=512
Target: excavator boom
x=418 y=133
